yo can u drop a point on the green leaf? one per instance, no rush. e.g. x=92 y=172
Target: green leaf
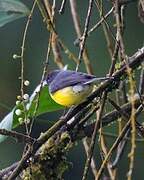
x=11 y=10
x=46 y=104
x=6 y=123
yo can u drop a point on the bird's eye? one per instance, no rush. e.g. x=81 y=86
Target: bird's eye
x=48 y=79
x=51 y=76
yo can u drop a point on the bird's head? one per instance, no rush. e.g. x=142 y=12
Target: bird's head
x=51 y=75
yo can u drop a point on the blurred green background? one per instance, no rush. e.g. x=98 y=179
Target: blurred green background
x=35 y=53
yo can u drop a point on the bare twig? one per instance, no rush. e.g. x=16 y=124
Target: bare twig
x=22 y=63
x=90 y=151
x=41 y=85
x=135 y=61
x=84 y=36
x=87 y=131
x=18 y=136
x=54 y=41
x=77 y=26
x=104 y=151
x=20 y=165
x=112 y=116
x=114 y=58
x=106 y=28
x=119 y=22
x=86 y=143
x=115 y=144
x=120 y=149
x=141 y=84
x=62 y=7
x=101 y=21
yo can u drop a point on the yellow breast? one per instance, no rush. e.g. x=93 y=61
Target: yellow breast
x=71 y=95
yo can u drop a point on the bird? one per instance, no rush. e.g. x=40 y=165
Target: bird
x=69 y=88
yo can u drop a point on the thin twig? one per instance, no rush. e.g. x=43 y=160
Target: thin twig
x=119 y=18
x=125 y=116
x=112 y=135
x=77 y=26
x=87 y=130
x=18 y=136
x=54 y=42
x=115 y=144
x=15 y=172
x=120 y=149
x=41 y=85
x=67 y=51
x=18 y=168
x=106 y=28
x=114 y=58
x=22 y=63
x=101 y=21
x=104 y=151
x=84 y=36
x=86 y=144
x=106 y=23
x=141 y=83
x=120 y=30
x=135 y=60
x=82 y=117
x=5 y=173
x=84 y=120
x=20 y=165
x=112 y=116
x=91 y=149
x=62 y=7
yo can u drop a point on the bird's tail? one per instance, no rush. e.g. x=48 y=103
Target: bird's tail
x=94 y=80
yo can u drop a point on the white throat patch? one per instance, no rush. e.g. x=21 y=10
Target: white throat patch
x=78 y=88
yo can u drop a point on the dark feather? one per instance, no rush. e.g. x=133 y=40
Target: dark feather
x=68 y=78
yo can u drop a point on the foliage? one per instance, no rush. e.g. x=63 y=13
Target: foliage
x=46 y=104
x=51 y=147
x=11 y=10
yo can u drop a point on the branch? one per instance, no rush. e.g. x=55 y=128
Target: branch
x=19 y=136
x=111 y=117
x=134 y=62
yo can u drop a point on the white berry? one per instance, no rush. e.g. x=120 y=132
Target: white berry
x=17 y=103
x=26 y=83
x=18 y=112
x=26 y=96
x=19 y=97
x=15 y=56
x=20 y=120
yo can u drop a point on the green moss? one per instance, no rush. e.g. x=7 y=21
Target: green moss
x=34 y=172
x=52 y=162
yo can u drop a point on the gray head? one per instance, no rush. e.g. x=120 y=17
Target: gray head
x=51 y=76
